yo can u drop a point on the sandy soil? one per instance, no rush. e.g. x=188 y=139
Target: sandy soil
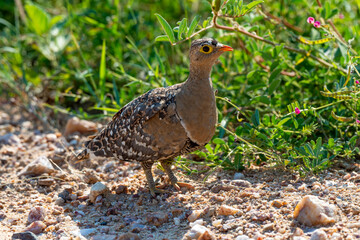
x=263 y=199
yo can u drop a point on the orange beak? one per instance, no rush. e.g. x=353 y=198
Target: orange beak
x=226 y=48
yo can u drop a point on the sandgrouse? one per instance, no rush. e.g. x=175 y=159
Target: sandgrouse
x=165 y=122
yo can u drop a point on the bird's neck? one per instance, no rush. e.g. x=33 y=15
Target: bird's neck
x=199 y=76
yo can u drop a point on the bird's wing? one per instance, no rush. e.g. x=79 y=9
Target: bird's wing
x=125 y=129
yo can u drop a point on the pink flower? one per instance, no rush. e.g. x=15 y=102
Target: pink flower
x=357 y=81
x=341 y=16
x=317 y=24
x=297 y=111
x=357 y=121
x=310 y=20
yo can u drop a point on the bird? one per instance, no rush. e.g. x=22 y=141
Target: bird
x=165 y=122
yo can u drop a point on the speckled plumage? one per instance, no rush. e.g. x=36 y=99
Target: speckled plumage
x=164 y=122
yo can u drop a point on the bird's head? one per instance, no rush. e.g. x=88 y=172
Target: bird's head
x=206 y=51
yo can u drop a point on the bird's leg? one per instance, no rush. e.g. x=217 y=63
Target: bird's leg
x=149 y=177
x=166 y=164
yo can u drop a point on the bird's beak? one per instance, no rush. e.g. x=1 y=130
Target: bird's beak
x=226 y=48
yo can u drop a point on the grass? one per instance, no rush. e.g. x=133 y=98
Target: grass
x=89 y=58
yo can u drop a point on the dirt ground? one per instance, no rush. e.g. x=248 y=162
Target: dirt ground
x=56 y=204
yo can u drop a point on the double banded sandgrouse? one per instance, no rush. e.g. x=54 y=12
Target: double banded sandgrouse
x=165 y=122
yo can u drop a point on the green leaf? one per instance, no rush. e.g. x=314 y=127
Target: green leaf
x=219 y=141
x=116 y=93
x=318 y=146
x=166 y=27
x=333 y=13
x=256 y=118
x=274 y=74
x=331 y=143
x=283 y=121
x=39 y=21
x=274 y=85
x=217 y=5
x=162 y=38
x=193 y=25
x=102 y=72
x=250 y=6
x=182 y=28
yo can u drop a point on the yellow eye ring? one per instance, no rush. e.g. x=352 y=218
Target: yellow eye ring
x=206 y=49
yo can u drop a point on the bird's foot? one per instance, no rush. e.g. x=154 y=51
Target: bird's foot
x=154 y=191
x=178 y=185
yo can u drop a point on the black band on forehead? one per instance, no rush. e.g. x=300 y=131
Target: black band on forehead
x=203 y=41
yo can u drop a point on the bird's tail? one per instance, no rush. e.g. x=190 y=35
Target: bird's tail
x=84 y=154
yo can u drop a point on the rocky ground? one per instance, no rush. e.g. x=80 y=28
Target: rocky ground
x=46 y=195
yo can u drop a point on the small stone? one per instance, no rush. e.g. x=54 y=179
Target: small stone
x=312 y=211
x=268 y=227
x=354 y=225
x=9 y=139
x=87 y=231
x=177 y=221
x=199 y=232
x=103 y=237
x=227 y=210
x=199 y=221
x=109 y=166
x=97 y=189
x=137 y=227
x=36 y=214
x=51 y=137
x=177 y=211
x=37 y=167
x=318 y=235
x=60 y=201
x=242 y=237
x=73 y=196
x=194 y=215
x=2 y=215
x=24 y=236
x=222 y=187
x=226 y=227
x=46 y=181
x=278 y=203
x=238 y=175
x=81 y=126
x=129 y=236
x=217 y=223
x=36 y=227
x=157 y=218
x=298 y=232
x=121 y=189
x=241 y=183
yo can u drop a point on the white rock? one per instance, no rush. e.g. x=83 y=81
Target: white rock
x=312 y=211
x=217 y=222
x=37 y=167
x=238 y=175
x=97 y=189
x=177 y=221
x=199 y=232
x=194 y=215
x=242 y=237
x=199 y=221
x=318 y=235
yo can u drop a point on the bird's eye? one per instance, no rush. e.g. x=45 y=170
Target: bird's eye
x=206 y=49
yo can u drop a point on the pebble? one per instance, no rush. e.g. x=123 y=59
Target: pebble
x=81 y=126
x=241 y=183
x=194 y=215
x=278 y=203
x=36 y=227
x=103 y=237
x=312 y=211
x=177 y=221
x=51 y=137
x=227 y=210
x=199 y=221
x=121 y=189
x=268 y=227
x=46 y=181
x=222 y=187
x=37 y=167
x=87 y=231
x=157 y=218
x=10 y=139
x=97 y=189
x=242 y=237
x=129 y=236
x=199 y=232
x=36 y=214
x=24 y=236
x=318 y=235
x=217 y=223
x=60 y=201
x=238 y=175
x=2 y=215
